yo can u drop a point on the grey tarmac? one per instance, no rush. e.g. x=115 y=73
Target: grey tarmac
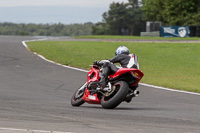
x=35 y=96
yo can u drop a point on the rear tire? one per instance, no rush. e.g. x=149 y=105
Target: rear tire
x=112 y=101
x=77 y=98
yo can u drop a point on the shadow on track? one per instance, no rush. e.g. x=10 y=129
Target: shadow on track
x=123 y=108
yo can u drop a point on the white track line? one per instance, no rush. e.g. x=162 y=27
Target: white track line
x=25 y=45
x=152 y=86
x=14 y=130
x=29 y=130
x=168 y=89
x=43 y=131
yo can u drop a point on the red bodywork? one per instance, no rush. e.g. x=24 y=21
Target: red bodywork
x=138 y=74
x=93 y=75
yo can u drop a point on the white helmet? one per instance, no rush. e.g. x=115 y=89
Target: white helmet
x=122 y=50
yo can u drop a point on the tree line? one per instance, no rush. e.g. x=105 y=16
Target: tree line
x=46 y=29
x=130 y=18
x=121 y=19
x=173 y=12
x=125 y=18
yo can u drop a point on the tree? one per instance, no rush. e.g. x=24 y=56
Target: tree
x=172 y=12
x=121 y=19
x=100 y=28
x=152 y=9
x=134 y=17
x=115 y=18
x=46 y=29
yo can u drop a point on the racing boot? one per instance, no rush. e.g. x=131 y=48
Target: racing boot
x=102 y=82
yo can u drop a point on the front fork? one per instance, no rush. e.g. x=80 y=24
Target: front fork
x=83 y=87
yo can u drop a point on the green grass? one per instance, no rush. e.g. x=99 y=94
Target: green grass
x=173 y=65
x=140 y=38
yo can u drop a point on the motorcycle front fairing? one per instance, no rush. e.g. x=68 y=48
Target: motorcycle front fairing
x=93 y=75
x=92 y=79
x=91 y=99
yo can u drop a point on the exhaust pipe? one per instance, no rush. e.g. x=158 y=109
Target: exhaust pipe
x=131 y=95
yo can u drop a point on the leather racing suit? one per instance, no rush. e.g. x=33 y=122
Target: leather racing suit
x=125 y=61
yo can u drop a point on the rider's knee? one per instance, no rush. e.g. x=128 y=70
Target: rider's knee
x=106 y=64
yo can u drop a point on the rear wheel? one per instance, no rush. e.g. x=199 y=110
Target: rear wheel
x=77 y=98
x=112 y=100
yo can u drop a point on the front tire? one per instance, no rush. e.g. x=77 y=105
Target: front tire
x=113 y=100
x=77 y=98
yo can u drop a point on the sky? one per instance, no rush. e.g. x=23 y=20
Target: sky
x=54 y=11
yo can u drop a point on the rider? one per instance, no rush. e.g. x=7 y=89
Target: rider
x=123 y=57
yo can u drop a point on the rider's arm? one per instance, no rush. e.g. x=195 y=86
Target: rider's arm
x=116 y=59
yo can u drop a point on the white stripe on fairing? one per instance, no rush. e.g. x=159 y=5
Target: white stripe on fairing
x=152 y=86
x=131 y=61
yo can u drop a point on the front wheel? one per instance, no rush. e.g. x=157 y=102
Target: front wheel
x=77 y=98
x=116 y=97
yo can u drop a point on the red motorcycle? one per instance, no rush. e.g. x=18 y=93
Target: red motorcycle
x=122 y=86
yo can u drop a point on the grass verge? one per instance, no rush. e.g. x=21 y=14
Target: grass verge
x=172 y=65
x=140 y=38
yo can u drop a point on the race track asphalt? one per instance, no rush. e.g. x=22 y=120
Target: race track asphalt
x=35 y=95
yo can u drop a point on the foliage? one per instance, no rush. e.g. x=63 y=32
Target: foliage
x=46 y=29
x=173 y=12
x=100 y=28
x=129 y=18
x=115 y=17
x=121 y=19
